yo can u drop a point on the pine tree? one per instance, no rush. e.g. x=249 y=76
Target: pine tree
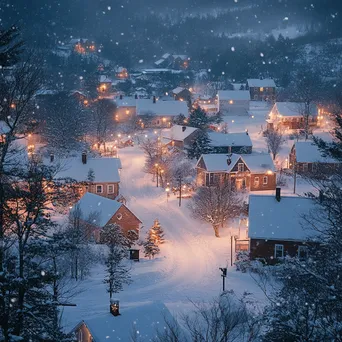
x=150 y=247
x=200 y=146
x=157 y=232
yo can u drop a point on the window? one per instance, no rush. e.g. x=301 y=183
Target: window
x=261 y=89
x=302 y=252
x=80 y=336
x=110 y=189
x=279 y=251
x=99 y=189
x=119 y=216
x=210 y=179
x=241 y=167
x=256 y=182
x=265 y=180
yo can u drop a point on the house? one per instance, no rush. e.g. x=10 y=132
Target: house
x=105 y=85
x=80 y=97
x=82 y=45
x=261 y=89
x=173 y=61
x=95 y=175
x=154 y=113
x=180 y=136
x=181 y=94
x=275 y=227
x=144 y=318
x=289 y=115
x=239 y=143
x=126 y=108
x=121 y=73
x=99 y=212
x=305 y=157
x=233 y=102
x=254 y=171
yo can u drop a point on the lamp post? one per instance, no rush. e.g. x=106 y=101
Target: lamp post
x=223 y=275
x=161 y=178
x=167 y=190
x=156 y=166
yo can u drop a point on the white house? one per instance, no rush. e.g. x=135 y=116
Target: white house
x=233 y=102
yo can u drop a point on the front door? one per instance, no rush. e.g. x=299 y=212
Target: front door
x=240 y=183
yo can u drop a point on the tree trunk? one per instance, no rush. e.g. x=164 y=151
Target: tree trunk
x=216 y=230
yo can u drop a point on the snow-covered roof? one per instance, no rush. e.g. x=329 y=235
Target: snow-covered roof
x=145 y=318
x=256 y=82
x=42 y=92
x=104 y=208
x=126 y=102
x=308 y=152
x=159 y=61
x=105 y=79
x=177 y=90
x=183 y=57
x=106 y=170
x=227 y=95
x=120 y=69
x=177 y=133
x=270 y=219
x=77 y=40
x=230 y=139
x=72 y=92
x=256 y=162
x=4 y=128
x=166 y=55
x=167 y=108
x=237 y=86
x=294 y=108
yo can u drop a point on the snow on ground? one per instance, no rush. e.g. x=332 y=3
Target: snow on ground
x=188 y=266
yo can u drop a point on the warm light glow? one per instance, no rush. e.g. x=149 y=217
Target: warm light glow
x=85 y=102
x=127 y=111
x=164 y=119
x=12 y=105
x=231 y=101
x=181 y=100
x=261 y=89
x=156 y=164
x=269 y=172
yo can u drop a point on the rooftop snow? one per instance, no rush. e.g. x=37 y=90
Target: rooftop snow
x=126 y=102
x=270 y=219
x=256 y=162
x=177 y=90
x=159 y=61
x=105 y=79
x=166 y=55
x=167 y=108
x=294 y=108
x=226 y=95
x=230 y=139
x=266 y=82
x=145 y=319
x=176 y=132
x=104 y=207
x=4 y=128
x=308 y=152
x=106 y=170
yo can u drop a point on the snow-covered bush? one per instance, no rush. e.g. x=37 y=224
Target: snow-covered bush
x=242 y=261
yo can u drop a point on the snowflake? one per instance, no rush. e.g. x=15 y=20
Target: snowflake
x=232 y=48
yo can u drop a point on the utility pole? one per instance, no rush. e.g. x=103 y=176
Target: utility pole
x=223 y=275
x=231 y=250
x=180 y=191
x=294 y=176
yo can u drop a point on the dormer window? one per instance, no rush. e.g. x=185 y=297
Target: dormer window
x=241 y=167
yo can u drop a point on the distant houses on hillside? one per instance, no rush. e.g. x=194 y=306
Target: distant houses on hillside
x=173 y=61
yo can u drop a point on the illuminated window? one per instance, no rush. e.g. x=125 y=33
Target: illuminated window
x=119 y=216
x=256 y=182
x=241 y=167
x=231 y=101
x=265 y=180
x=261 y=89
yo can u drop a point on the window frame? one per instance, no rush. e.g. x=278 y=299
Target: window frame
x=110 y=192
x=275 y=251
x=303 y=248
x=99 y=185
x=243 y=167
x=263 y=180
x=256 y=182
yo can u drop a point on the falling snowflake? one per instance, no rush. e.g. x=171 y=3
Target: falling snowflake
x=261 y=54
x=232 y=48
x=109 y=8
x=141 y=60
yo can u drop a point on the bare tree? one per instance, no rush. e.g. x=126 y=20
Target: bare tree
x=274 y=140
x=215 y=205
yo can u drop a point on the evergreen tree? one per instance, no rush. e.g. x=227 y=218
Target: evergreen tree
x=180 y=119
x=199 y=119
x=157 y=232
x=117 y=274
x=199 y=146
x=150 y=247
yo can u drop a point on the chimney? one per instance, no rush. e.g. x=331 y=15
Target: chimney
x=84 y=157
x=154 y=99
x=229 y=159
x=136 y=96
x=120 y=96
x=52 y=157
x=230 y=150
x=246 y=131
x=114 y=307
x=278 y=190
x=183 y=128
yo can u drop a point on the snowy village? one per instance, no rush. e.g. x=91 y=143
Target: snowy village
x=163 y=192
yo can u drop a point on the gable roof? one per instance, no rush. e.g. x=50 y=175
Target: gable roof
x=104 y=207
x=226 y=95
x=270 y=219
x=229 y=139
x=146 y=318
x=130 y=101
x=294 y=108
x=167 y=108
x=176 y=132
x=105 y=169
x=105 y=79
x=159 y=61
x=308 y=152
x=256 y=162
x=178 y=90
x=266 y=82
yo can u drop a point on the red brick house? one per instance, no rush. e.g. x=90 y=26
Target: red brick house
x=305 y=157
x=253 y=172
x=275 y=226
x=180 y=136
x=99 y=212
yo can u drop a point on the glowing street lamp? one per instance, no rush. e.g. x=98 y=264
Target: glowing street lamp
x=167 y=190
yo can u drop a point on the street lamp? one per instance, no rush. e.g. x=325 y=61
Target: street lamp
x=156 y=166
x=167 y=190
